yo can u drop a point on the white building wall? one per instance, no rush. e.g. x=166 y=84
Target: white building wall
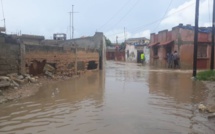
x=132 y=53
x=147 y=54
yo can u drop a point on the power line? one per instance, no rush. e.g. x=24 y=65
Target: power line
x=163 y=15
x=111 y=18
x=126 y=14
x=139 y=28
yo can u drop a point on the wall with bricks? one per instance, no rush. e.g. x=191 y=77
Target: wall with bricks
x=30 y=54
x=9 y=55
x=66 y=61
x=181 y=39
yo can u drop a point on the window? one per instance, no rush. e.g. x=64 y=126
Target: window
x=202 y=51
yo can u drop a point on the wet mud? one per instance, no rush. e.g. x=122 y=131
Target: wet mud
x=125 y=98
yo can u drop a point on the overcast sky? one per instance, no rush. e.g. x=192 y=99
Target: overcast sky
x=138 y=17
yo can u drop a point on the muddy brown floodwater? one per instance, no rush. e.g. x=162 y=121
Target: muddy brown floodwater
x=124 y=99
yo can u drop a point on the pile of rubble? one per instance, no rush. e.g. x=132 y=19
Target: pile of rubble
x=208 y=109
x=15 y=80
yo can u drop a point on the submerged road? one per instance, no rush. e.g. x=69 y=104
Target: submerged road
x=126 y=98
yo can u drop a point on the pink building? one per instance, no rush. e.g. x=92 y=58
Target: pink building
x=181 y=39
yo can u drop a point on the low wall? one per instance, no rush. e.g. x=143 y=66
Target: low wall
x=9 y=55
x=65 y=61
x=67 y=58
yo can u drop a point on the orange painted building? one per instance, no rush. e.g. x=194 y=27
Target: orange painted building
x=181 y=39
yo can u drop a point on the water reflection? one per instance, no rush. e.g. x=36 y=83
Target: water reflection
x=126 y=98
x=45 y=113
x=176 y=85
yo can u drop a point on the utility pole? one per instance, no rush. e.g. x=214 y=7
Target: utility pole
x=3 y=16
x=116 y=40
x=196 y=39
x=71 y=20
x=70 y=24
x=124 y=34
x=212 y=40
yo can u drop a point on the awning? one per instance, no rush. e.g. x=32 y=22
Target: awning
x=166 y=43
x=153 y=44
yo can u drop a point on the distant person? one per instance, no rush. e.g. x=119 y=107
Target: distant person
x=142 y=57
x=176 y=59
x=170 y=61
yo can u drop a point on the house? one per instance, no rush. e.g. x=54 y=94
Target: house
x=134 y=47
x=181 y=39
x=115 y=52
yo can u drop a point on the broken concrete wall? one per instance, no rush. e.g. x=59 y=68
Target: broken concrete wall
x=96 y=42
x=64 y=61
x=64 y=57
x=10 y=55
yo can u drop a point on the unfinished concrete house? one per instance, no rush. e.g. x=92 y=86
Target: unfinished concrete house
x=34 y=55
x=181 y=39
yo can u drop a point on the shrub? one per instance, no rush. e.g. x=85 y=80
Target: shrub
x=206 y=75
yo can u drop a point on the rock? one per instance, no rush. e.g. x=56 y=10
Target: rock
x=211 y=116
x=48 y=68
x=15 y=84
x=20 y=77
x=20 y=81
x=32 y=80
x=202 y=107
x=49 y=74
x=5 y=84
x=27 y=75
x=15 y=88
x=211 y=109
x=5 y=78
x=1 y=93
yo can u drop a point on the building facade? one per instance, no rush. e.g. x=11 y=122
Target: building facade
x=134 y=48
x=181 y=39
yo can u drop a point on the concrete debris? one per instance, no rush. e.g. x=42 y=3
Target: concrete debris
x=4 y=84
x=209 y=109
x=32 y=80
x=202 y=107
x=14 y=80
x=48 y=68
x=49 y=74
x=1 y=92
x=211 y=116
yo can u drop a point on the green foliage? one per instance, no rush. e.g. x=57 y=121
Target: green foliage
x=123 y=44
x=108 y=42
x=206 y=75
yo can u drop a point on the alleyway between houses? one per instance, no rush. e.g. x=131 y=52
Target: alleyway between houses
x=126 y=98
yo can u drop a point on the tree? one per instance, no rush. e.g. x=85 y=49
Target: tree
x=108 y=42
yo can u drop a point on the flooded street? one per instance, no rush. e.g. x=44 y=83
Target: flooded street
x=124 y=99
